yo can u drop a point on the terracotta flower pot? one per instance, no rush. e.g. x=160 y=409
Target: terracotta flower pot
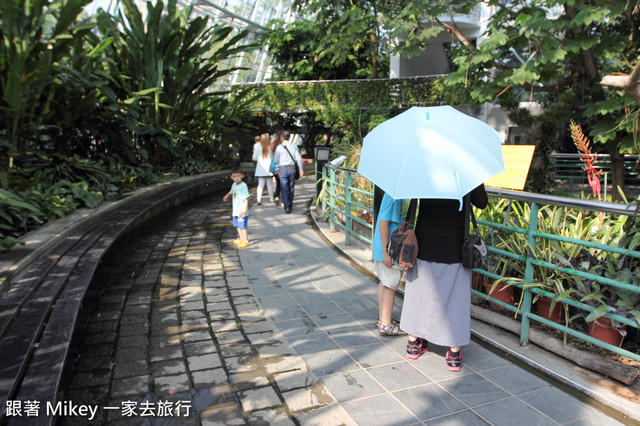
x=477 y=283
x=602 y=329
x=557 y=315
x=503 y=293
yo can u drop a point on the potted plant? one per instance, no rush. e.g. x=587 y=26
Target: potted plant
x=551 y=221
x=495 y=212
x=602 y=299
x=623 y=268
x=546 y=279
x=484 y=283
x=610 y=299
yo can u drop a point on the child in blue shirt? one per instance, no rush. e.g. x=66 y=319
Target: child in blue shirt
x=240 y=202
x=390 y=216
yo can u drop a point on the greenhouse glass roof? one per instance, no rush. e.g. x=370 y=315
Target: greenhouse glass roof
x=252 y=15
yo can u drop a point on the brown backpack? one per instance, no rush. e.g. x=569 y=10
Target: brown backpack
x=403 y=244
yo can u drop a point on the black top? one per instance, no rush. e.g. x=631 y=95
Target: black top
x=440 y=227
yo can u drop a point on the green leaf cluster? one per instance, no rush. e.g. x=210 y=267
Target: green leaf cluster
x=339 y=40
x=161 y=70
x=350 y=109
x=557 y=260
x=94 y=105
x=543 y=49
x=378 y=93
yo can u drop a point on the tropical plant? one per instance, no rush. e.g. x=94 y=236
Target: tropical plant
x=52 y=168
x=161 y=68
x=556 y=53
x=556 y=260
x=340 y=39
x=553 y=254
x=610 y=299
x=16 y=217
x=495 y=213
x=92 y=106
x=23 y=210
x=36 y=38
x=624 y=268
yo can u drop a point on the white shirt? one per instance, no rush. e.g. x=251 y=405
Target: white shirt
x=283 y=158
x=262 y=168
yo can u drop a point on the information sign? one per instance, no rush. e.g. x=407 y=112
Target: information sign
x=517 y=160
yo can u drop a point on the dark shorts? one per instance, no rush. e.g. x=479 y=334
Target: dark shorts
x=240 y=223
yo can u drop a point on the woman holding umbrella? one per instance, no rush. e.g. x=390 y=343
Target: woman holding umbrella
x=438 y=155
x=437 y=300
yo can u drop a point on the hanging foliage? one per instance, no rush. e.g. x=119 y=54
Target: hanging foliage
x=348 y=109
x=372 y=93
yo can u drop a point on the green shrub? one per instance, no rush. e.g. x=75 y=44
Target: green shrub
x=52 y=168
x=17 y=216
x=191 y=167
x=129 y=177
x=22 y=211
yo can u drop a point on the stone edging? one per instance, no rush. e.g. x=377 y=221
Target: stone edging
x=38 y=242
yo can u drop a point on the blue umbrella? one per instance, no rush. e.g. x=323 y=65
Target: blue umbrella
x=431 y=152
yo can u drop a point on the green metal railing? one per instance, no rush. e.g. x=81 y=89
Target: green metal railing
x=534 y=236
x=338 y=203
x=570 y=168
x=338 y=206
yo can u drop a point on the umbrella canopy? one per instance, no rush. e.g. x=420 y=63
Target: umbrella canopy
x=431 y=152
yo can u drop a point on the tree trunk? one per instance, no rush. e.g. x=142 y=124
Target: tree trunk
x=374 y=56
x=617 y=170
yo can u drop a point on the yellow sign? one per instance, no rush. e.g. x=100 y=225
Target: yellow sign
x=517 y=159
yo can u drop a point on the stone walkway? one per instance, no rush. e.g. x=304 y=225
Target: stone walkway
x=183 y=328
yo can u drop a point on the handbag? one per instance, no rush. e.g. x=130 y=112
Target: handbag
x=273 y=167
x=295 y=163
x=403 y=244
x=474 y=250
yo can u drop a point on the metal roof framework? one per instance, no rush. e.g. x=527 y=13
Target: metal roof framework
x=251 y=15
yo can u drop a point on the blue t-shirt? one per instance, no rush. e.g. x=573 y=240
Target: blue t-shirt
x=240 y=192
x=394 y=211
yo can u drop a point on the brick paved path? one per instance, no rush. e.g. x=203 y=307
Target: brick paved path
x=172 y=324
x=183 y=327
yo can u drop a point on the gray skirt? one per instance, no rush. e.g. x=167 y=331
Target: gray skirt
x=437 y=303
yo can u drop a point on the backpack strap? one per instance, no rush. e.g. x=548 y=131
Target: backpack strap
x=288 y=152
x=468 y=215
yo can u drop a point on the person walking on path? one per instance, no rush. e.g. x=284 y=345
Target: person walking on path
x=437 y=298
x=277 y=140
x=287 y=155
x=390 y=215
x=240 y=206
x=262 y=155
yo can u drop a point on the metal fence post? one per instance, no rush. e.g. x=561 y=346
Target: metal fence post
x=347 y=209
x=332 y=200
x=528 y=276
x=324 y=192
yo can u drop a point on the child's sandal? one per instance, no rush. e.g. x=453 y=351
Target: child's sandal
x=390 y=330
x=379 y=323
